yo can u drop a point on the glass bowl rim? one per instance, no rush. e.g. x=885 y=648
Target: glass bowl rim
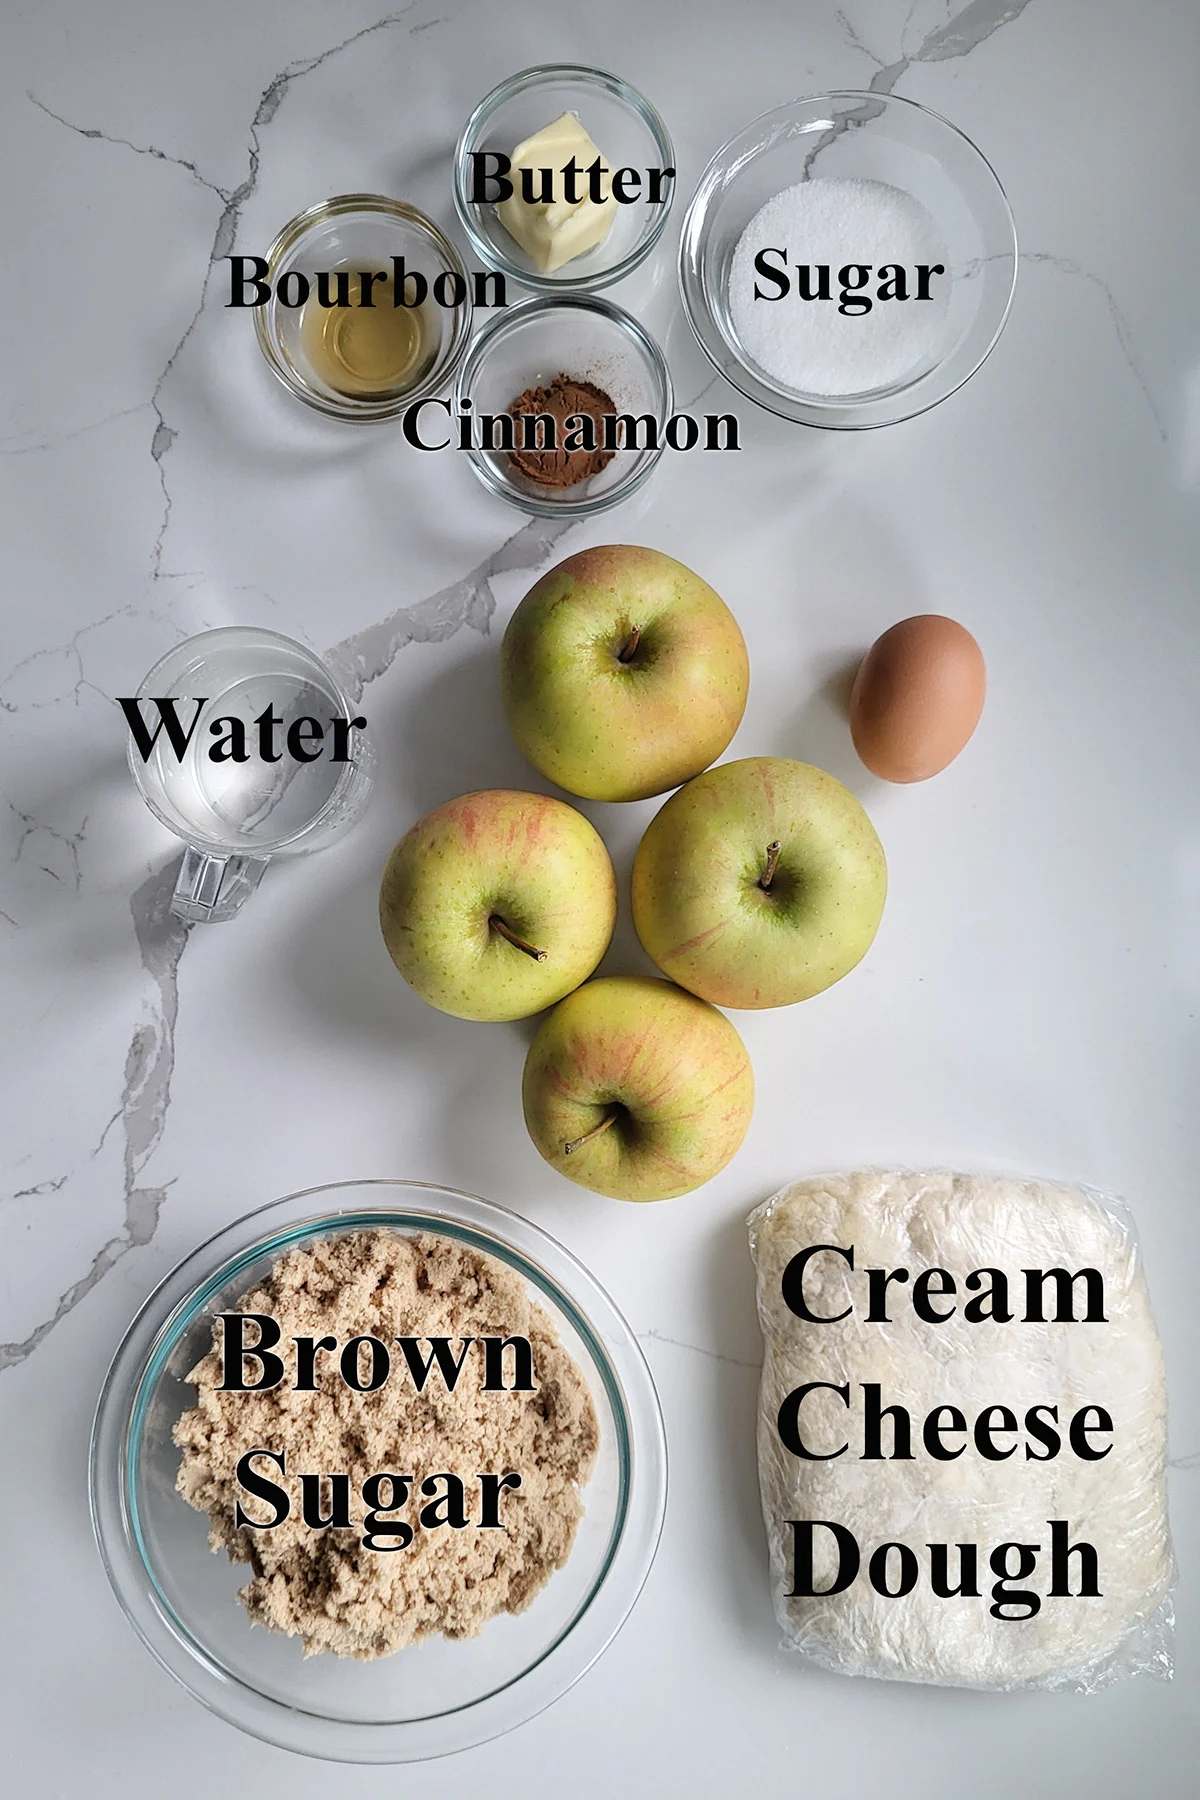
x=829 y=414
x=512 y=317
x=588 y=76
x=620 y=1367
x=372 y=412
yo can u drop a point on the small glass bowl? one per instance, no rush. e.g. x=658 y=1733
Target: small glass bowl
x=625 y=129
x=870 y=137
x=434 y=1697
x=592 y=339
x=361 y=230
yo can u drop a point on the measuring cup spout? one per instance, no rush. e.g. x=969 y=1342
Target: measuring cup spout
x=212 y=888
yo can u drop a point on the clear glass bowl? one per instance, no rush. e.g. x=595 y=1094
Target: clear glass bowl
x=361 y=231
x=527 y=346
x=434 y=1697
x=869 y=137
x=626 y=130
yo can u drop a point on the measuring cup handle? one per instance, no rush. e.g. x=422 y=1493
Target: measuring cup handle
x=213 y=888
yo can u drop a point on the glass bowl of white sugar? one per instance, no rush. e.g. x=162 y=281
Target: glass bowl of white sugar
x=848 y=260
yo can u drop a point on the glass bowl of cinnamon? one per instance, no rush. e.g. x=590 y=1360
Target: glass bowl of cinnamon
x=561 y=404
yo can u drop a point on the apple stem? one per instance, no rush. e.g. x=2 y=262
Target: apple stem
x=768 y=874
x=629 y=650
x=595 y=1132
x=506 y=931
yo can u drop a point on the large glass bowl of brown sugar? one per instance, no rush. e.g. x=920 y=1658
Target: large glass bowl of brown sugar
x=516 y=1485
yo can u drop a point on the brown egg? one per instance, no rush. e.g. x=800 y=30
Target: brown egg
x=917 y=698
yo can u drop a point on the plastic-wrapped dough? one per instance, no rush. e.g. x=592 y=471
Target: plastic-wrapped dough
x=1076 y=1365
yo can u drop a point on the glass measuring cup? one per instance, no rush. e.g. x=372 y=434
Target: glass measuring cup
x=242 y=743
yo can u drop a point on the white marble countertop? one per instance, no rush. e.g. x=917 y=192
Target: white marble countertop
x=1030 y=1002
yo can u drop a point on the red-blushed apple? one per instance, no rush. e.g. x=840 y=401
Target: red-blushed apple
x=622 y=673
x=760 y=883
x=497 y=904
x=637 y=1090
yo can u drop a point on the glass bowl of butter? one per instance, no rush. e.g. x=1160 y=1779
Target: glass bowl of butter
x=563 y=178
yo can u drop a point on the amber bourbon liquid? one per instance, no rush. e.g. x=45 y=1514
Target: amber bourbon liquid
x=369 y=352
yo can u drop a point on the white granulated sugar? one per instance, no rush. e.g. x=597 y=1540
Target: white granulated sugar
x=810 y=346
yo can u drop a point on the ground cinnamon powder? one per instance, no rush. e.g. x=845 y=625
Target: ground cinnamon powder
x=325 y=1586
x=566 y=396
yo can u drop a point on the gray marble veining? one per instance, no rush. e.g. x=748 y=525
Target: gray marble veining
x=368 y=653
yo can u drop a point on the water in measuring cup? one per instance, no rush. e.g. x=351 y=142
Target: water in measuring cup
x=252 y=805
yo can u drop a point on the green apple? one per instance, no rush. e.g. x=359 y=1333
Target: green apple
x=622 y=673
x=637 y=1090
x=759 y=883
x=497 y=904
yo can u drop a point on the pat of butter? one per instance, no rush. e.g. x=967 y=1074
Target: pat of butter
x=553 y=232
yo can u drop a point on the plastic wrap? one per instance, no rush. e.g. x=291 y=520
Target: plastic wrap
x=1001 y=1487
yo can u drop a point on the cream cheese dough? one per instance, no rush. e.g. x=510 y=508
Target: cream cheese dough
x=1108 y=1486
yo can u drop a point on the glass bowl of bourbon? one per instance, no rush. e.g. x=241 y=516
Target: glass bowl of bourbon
x=368 y=307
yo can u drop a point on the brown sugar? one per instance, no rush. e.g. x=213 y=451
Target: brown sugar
x=566 y=397
x=327 y=1587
